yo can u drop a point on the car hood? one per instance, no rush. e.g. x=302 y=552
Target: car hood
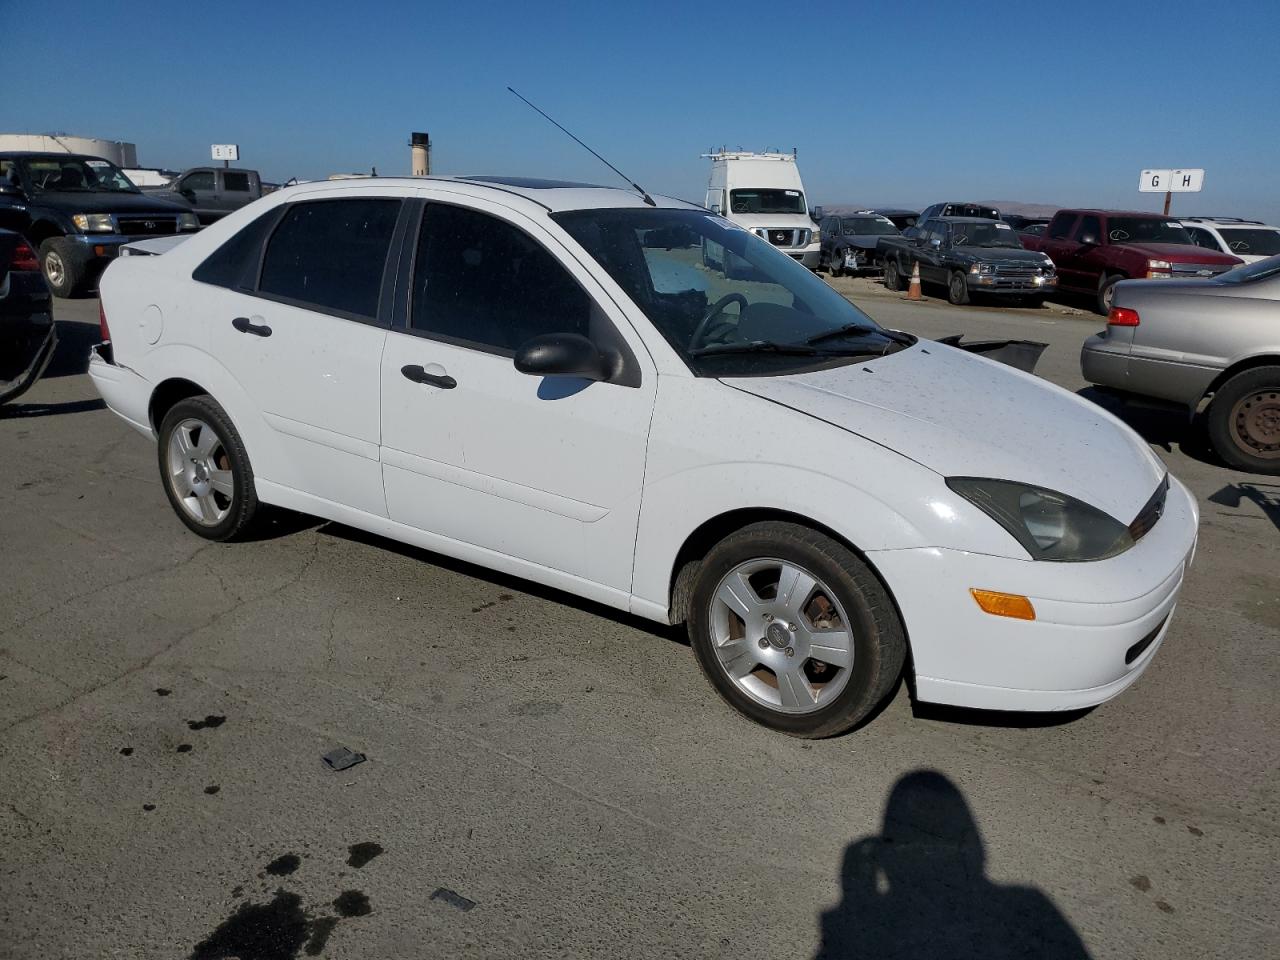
x=1180 y=252
x=101 y=202
x=1001 y=254
x=962 y=415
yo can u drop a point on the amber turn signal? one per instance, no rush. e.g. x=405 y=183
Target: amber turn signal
x=1004 y=604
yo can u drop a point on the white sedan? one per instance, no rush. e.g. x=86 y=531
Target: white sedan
x=651 y=408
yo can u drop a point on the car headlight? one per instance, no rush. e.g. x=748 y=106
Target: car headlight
x=94 y=222
x=188 y=221
x=1050 y=525
x=982 y=268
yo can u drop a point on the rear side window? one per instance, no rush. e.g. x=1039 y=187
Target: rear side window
x=330 y=254
x=481 y=282
x=236 y=182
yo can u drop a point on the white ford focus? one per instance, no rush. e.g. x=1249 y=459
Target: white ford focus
x=646 y=406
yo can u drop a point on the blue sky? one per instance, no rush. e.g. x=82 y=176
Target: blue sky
x=1060 y=103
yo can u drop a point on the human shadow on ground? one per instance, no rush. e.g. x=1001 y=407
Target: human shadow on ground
x=1265 y=495
x=920 y=889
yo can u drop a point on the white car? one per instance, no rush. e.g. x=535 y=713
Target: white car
x=484 y=368
x=1250 y=240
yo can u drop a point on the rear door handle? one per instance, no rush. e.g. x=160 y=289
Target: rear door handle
x=415 y=373
x=245 y=325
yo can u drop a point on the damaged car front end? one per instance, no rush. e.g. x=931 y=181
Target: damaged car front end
x=28 y=336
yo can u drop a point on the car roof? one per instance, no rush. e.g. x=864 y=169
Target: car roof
x=553 y=195
x=1227 y=222
x=966 y=220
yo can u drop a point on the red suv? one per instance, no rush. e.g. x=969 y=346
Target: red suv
x=1095 y=249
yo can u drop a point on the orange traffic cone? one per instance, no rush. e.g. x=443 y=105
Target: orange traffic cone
x=913 y=291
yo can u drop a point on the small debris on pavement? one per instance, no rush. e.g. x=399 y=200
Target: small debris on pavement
x=453 y=899
x=341 y=758
x=211 y=722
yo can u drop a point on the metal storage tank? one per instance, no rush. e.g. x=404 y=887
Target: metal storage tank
x=119 y=152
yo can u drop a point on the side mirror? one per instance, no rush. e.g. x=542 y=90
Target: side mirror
x=1089 y=240
x=565 y=355
x=816 y=214
x=715 y=208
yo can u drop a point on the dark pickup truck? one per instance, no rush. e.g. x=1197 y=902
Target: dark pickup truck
x=1096 y=249
x=968 y=255
x=212 y=192
x=77 y=212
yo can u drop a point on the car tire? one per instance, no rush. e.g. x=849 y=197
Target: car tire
x=205 y=470
x=892 y=278
x=833 y=263
x=779 y=678
x=957 y=289
x=1107 y=292
x=1244 y=420
x=63 y=271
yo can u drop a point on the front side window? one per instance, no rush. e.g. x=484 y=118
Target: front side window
x=727 y=301
x=1251 y=241
x=330 y=254
x=483 y=283
x=198 y=181
x=1089 y=227
x=767 y=201
x=1146 y=230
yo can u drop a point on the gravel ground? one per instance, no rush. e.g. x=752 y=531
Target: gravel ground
x=546 y=778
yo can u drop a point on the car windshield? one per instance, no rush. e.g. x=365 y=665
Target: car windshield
x=728 y=302
x=869 y=226
x=1253 y=272
x=76 y=175
x=985 y=234
x=1252 y=241
x=766 y=201
x=1146 y=230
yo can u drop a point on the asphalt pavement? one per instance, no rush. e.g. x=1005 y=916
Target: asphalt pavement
x=548 y=778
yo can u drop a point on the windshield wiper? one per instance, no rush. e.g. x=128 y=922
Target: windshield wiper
x=755 y=346
x=849 y=329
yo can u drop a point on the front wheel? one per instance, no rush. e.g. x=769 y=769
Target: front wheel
x=1244 y=420
x=64 y=272
x=205 y=469
x=892 y=278
x=957 y=289
x=793 y=630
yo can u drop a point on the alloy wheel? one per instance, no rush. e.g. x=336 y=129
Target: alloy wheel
x=781 y=635
x=200 y=472
x=55 y=270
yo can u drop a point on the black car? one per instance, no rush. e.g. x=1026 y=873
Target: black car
x=850 y=242
x=77 y=211
x=954 y=208
x=902 y=219
x=1026 y=224
x=27 y=335
x=969 y=255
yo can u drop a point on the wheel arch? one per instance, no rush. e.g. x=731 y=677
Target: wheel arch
x=1239 y=367
x=43 y=230
x=711 y=531
x=166 y=394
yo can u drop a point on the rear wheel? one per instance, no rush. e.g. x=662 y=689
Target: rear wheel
x=64 y=272
x=1107 y=292
x=892 y=278
x=793 y=630
x=957 y=289
x=205 y=469
x=1244 y=420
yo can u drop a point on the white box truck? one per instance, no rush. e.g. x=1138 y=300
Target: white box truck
x=762 y=192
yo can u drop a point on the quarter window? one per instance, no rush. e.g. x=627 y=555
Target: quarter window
x=483 y=283
x=330 y=254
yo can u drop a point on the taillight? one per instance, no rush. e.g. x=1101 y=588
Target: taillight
x=102 y=324
x=1122 y=317
x=24 y=258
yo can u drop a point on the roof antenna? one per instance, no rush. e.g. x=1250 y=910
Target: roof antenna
x=639 y=189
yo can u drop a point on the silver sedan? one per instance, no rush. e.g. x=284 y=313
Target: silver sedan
x=1185 y=341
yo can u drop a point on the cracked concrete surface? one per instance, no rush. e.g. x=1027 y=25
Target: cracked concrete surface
x=565 y=767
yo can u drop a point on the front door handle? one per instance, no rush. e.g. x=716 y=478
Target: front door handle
x=415 y=373
x=245 y=325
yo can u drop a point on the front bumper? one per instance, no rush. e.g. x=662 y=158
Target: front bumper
x=810 y=256
x=994 y=283
x=1097 y=627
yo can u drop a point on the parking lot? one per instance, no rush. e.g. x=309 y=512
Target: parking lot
x=546 y=777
